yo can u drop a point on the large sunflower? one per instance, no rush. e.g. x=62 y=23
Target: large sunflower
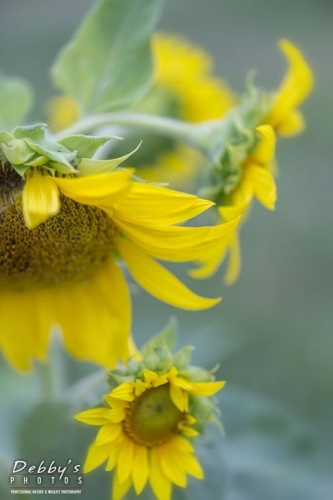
x=63 y=230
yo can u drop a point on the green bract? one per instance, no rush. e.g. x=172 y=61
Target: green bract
x=156 y=356
x=27 y=148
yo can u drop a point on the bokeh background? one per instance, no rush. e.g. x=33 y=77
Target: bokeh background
x=272 y=334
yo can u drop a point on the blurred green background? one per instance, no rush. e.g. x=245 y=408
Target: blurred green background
x=273 y=332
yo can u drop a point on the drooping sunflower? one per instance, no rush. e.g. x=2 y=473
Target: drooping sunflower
x=256 y=177
x=148 y=426
x=64 y=228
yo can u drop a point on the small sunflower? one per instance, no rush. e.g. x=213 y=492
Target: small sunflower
x=149 y=424
x=255 y=174
x=64 y=228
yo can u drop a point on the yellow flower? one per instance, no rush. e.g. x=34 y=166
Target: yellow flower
x=186 y=72
x=146 y=432
x=60 y=239
x=256 y=181
x=256 y=178
x=62 y=111
x=295 y=88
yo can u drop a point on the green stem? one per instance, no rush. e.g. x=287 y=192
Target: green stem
x=51 y=373
x=198 y=136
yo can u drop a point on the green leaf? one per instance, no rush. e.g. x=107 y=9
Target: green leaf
x=16 y=98
x=108 y=63
x=85 y=145
x=88 y=167
x=36 y=131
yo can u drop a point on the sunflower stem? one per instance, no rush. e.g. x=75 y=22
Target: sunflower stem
x=199 y=136
x=51 y=373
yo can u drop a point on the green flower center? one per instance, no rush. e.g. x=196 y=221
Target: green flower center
x=152 y=419
x=68 y=248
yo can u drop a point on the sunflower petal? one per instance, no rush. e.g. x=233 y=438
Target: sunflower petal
x=154 y=203
x=40 y=199
x=140 y=471
x=95 y=416
x=100 y=189
x=295 y=87
x=158 y=281
x=96 y=456
x=160 y=484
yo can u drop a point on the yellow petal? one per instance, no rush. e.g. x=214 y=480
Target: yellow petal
x=265 y=151
x=179 y=397
x=95 y=416
x=162 y=205
x=172 y=464
x=206 y=388
x=63 y=111
x=264 y=187
x=293 y=124
x=188 y=431
x=108 y=433
x=234 y=263
x=25 y=335
x=295 y=87
x=99 y=189
x=100 y=310
x=40 y=199
x=158 y=281
x=119 y=489
x=183 y=445
x=115 y=415
x=160 y=484
x=124 y=391
x=140 y=471
x=216 y=236
x=125 y=460
x=96 y=456
x=193 y=467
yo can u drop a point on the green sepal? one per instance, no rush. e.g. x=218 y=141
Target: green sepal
x=54 y=151
x=5 y=136
x=36 y=131
x=17 y=151
x=16 y=98
x=61 y=168
x=85 y=145
x=89 y=167
x=21 y=169
x=166 y=337
x=39 y=161
x=182 y=358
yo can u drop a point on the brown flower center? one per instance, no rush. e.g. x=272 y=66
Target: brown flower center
x=69 y=247
x=152 y=419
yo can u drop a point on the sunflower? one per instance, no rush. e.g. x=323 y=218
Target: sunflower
x=63 y=231
x=148 y=425
x=256 y=173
